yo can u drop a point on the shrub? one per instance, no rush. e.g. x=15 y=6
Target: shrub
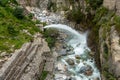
x=18 y=12
x=3 y=2
x=75 y=15
x=50 y=36
x=44 y=75
x=30 y=15
x=117 y=23
x=99 y=14
x=95 y=3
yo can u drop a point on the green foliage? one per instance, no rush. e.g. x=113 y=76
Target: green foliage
x=94 y=3
x=117 y=23
x=3 y=2
x=44 y=75
x=52 y=6
x=106 y=73
x=18 y=12
x=102 y=11
x=30 y=15
x=50 y=35
x=106 y=53
x=75 y=15
x=14 y=1
x=11 y=30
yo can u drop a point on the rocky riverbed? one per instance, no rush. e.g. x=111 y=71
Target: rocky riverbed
x=72 y=60
x=67 y=63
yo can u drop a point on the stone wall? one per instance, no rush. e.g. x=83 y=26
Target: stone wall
x=26 y=63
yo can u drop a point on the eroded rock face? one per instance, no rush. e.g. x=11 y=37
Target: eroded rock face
x=42 y=4
x=110 y=51
x=115 y=53
x=112 y=5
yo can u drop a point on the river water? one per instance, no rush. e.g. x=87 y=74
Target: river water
x=79 y=64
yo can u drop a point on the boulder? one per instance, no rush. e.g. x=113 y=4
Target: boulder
x=77 y=56
x=61 y=67
x=70 y=61
x=86 y=70
x=78 y=61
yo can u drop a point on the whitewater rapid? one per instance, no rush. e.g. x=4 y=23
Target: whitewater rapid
x=79 y=42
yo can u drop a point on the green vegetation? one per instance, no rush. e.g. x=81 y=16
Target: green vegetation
x=44 y=75
x=75 y=15
x=106 y=72
x=94 y=3
x=52 y=6
x=18 y=12
x=51 y=35
x=15 y=28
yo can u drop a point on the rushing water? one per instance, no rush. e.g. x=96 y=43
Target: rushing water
x=79 y=43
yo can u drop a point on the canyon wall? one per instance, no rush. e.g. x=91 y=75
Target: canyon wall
x=109 y=42
x=112 y=5
x=26 y=63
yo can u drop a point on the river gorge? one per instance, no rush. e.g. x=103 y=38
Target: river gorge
x=60 y=40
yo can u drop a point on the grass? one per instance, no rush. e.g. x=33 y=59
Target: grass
x=12 y=30
x=44 y=75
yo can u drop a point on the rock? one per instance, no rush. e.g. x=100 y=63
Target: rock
x=77 y=56
x=63 y=52
x=86 y=70
x=96 y=79
x=71 y=78
x=64 y=46
x=70 y=61
x=60 y=77
x=91 y=54
x=3 y=54
x=61 y=67
x=70 y=52
x=78 y=61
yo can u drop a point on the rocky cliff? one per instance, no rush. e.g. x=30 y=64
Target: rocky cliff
x=109 y=43
x=26 y=63
x=112 y=5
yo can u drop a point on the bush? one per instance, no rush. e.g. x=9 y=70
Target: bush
x=44 y=75
x=18 y=12
x=30 y=15
x=117 y=23
x=99 y=14
x=75 y=15
x=50 y=36
x=3 y=2
x=95 y=3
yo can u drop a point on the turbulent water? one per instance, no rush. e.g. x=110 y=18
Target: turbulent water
x=79 y=43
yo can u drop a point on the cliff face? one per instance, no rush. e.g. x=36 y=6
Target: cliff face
x=26 y=63
x=112 y=5
x=109 y=40
x=109 y=52
x=42 y=4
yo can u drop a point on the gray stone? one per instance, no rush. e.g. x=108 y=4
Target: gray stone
x=86 y=70
x=70 y=61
